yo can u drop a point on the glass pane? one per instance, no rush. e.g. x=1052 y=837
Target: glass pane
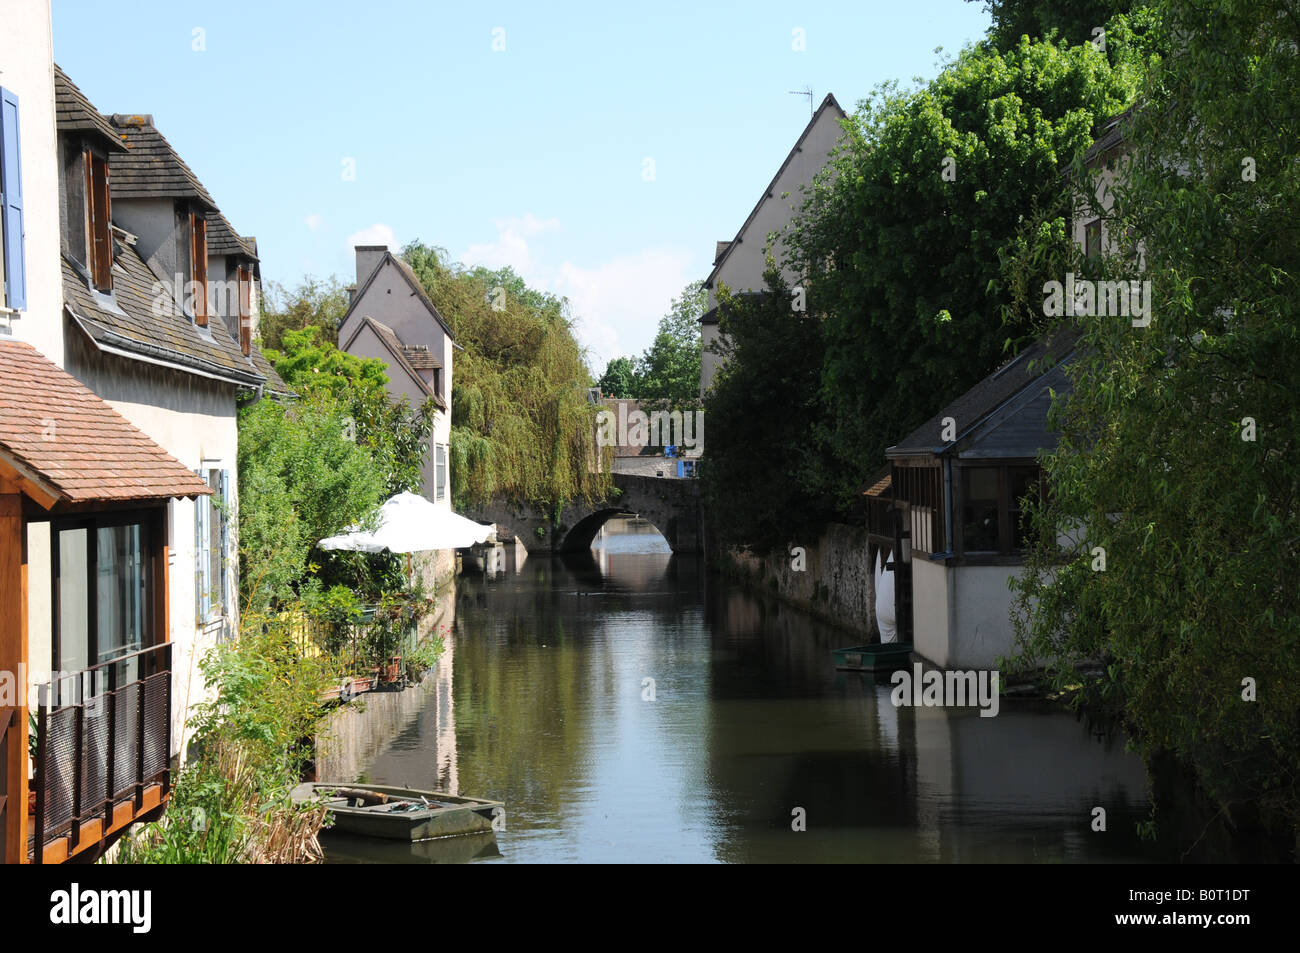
x=1022 y=480
x=981 y=483
x=980 y=512
x=74 y=602
x=122 y=590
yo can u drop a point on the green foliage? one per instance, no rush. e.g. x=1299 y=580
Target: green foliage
x=1199 y=524
x=309 y=361
x=521 y=424
x=300 y=479
x=230 y=803
x=313 y=303
x=669 y=370
x=761 y=404
x=619 y=379
x=1071 y=22
x=905 y=261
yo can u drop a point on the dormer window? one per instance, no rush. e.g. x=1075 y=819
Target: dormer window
x=199 y=268
x=99 y=237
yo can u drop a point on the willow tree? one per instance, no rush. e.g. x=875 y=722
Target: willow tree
x=522 y=426
x=1177 y=475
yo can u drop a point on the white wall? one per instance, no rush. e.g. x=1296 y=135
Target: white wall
x=193 y=419
x=27 y=69
x=962 y=614
x=743 y=268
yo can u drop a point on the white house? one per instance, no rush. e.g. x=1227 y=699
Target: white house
x=740 y=262
x=392 y=319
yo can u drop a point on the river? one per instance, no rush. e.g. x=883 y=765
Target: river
x=629 y=707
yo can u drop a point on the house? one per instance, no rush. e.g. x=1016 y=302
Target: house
x=153 y=329
x=948 y=517
x=390 y=318
x=740 y=262
x=88 y=502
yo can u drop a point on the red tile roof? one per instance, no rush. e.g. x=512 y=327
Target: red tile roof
x=57 y=433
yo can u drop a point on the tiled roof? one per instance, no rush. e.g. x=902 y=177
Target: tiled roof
x=56 y=433
x=974 y=406
x=420 y=357
x=397 y=349
x=1110 y=134
x=73 y=112
x=150 y=168
x=224 y=240
x=142 y=317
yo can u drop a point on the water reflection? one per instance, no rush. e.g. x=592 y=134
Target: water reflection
x=628 y=707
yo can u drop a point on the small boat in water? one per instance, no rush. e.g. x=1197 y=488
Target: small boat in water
x=877 y=657
x=373 y=810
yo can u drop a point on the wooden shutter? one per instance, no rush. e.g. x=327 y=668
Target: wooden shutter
x=223 y=564
x=199 y=267
x=99 y=234
x=200 y=555
x=11 y=203
x=245 y=311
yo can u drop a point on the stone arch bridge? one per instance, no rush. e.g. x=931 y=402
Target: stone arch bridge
x=671 y=505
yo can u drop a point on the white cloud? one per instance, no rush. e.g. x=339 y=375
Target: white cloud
x=314 y=221
x=511 y=245
x=377 y=234
x=616 y=304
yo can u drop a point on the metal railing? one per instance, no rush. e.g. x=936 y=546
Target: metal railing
x=102 y=735
x=363 y=644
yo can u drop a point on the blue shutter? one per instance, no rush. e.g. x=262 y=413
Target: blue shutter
x=199 y=615
x=11 y=202
x=225 y=542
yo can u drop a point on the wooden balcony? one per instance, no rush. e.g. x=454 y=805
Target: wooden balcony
x=102 y=755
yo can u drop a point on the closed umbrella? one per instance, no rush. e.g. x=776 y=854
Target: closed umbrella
x=411 y=524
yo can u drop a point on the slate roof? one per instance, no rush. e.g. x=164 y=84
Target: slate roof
x=224 y=240
x=73 y=112
x=828 y=103
x=986 y=405
x=150 y=168
x=1110 y=134
x=141 y=316
x=56 y=433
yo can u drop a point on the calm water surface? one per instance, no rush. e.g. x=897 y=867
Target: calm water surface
x=542 y=701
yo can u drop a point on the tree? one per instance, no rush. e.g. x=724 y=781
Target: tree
x=619 y=379
x=521 y=424
x=670 y=368
x=1178 y=459
x=313 y=303
x=1072 y=22
x=760 y=408
x=903 y=236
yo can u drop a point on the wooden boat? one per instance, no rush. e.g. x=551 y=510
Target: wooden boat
x=374 y=810
x=879 y=656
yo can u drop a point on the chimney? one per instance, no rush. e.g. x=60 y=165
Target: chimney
x=368 y=257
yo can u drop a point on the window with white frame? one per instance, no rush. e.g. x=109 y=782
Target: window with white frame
x=211 y=548
x=440 y=471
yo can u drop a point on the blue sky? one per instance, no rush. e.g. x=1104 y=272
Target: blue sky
x=530 y=156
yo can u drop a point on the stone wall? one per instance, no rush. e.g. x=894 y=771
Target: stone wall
x=835 y=584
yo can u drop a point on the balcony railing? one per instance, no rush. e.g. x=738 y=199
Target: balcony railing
x=103 y=740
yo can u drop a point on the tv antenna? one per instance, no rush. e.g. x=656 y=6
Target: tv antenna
x=806 y=91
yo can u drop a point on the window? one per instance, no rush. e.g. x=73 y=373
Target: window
x=1092 y=239
x=99 y=235
x=440 y=471
x=994 y=519
x=13 y=268
x=103 y=589
x=199 y=268
x=979 y=520
x=245 y=278
x=211 y=544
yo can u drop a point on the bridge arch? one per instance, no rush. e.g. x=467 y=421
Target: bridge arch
x=582 y=534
